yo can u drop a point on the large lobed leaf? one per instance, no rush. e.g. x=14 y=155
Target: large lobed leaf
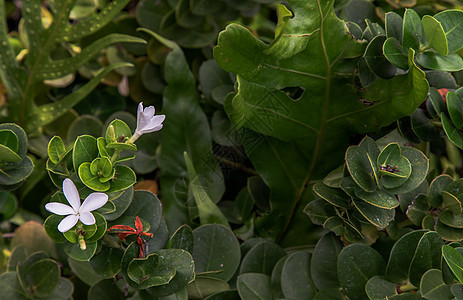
x=320 y=65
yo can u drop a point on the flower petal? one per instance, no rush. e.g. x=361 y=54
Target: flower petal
x=67 y=223
x=139 y=113
x=87 y=218
x=59 y=209
x=154 y=125
x=71 y=194
x=93 y=201
x=149 y=111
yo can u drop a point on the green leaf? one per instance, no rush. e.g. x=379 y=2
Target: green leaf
x=74 y=251
x=375 y=59
x=40 y=278
x=85 y=150
x=8 y=205
x=413 y=31
x=379 y=217
x=433 y=287
x=356 y=264
x=435 y=61
x=8 y=146
x=378 y=288
x=334 y=196
x=9 y=283
x=205 y=286
x=435 y=35
x=402 y=255
x=395 y=54
x=455 y=109
x=180 y=261
x=427 y=256
x=216 y=249
x=182 y=239
x=378 y=198
x=209 y=212
x=452 y=133
x=394 y=25
x=90 y=180
x=105 y=290
x=121 y=204
x=448 y=218
x=323 y=267
x=119 y=132
x=452 y=22
x=436 y=187
x=362 y=168
x=261 y=258
x=56 y=149
x=107 y=263
x=124 y=178
x=455 y=261
x=146 y=273
x=296 y=281
x=253 y=286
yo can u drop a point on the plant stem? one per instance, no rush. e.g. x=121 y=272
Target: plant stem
x=115 y=155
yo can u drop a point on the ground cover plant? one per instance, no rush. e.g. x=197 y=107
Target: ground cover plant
x=219 y=149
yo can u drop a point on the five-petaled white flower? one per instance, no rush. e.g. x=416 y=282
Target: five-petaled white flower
x=146 y=121
x=76 y=211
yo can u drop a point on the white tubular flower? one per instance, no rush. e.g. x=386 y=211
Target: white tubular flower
x=76 y=211
x=146 y=121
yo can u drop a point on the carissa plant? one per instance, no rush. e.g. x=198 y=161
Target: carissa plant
x=310 y=150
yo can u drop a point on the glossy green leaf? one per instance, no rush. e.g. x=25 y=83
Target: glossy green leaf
x=449 y=233
x=450 y=219
x=356 y=264
x=209 y=212
x=8 y=146
x=334 y=196
x=202 y=287
x=378 y=288
x=275 y=279
x=420 y=166
x=433 y=287
x=452 y=133
x=413 y=31
x=107 y=263
x=253 y=286
x=402 y=255
x=146 y=273
x=380 y=217
x=183 y=264
x=427 y=256
x=261 y=258
x=90 y=180
x=378 y=198
x=423 y=127
x=361 y=168
x=296 y=281
x=146 y=206
x=56 y=149
x=454 y=260
x=182 y=239
x=323 y=267
x=8 y=205
x=216 y=249
x=105 y=290
x=40 y=278
x=435 y=35
x=74 y=251
x=84 y=125
x=394 y=25
x=452 y=22
x=375 y=59
x=436 y=187
x=10 y=286
x=455 y=109
x=433 y=60
x=418 y=209
x=394 y=53
x=85 y=150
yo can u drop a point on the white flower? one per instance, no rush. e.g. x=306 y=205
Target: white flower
x=146 y=121
x=76 y=211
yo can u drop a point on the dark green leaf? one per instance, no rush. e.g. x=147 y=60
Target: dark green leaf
x=254 y=286
x=262 y=258
x=216 y=249
x=454 y=260
x=356 y=264
x=296 y=281
x=394 y=53
x=378 y=288
x=435 y=61
x=433 y=287
x=323 y=267
x=452 y=22
x=435 y=35
x=375 y=59
x=413 y=32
